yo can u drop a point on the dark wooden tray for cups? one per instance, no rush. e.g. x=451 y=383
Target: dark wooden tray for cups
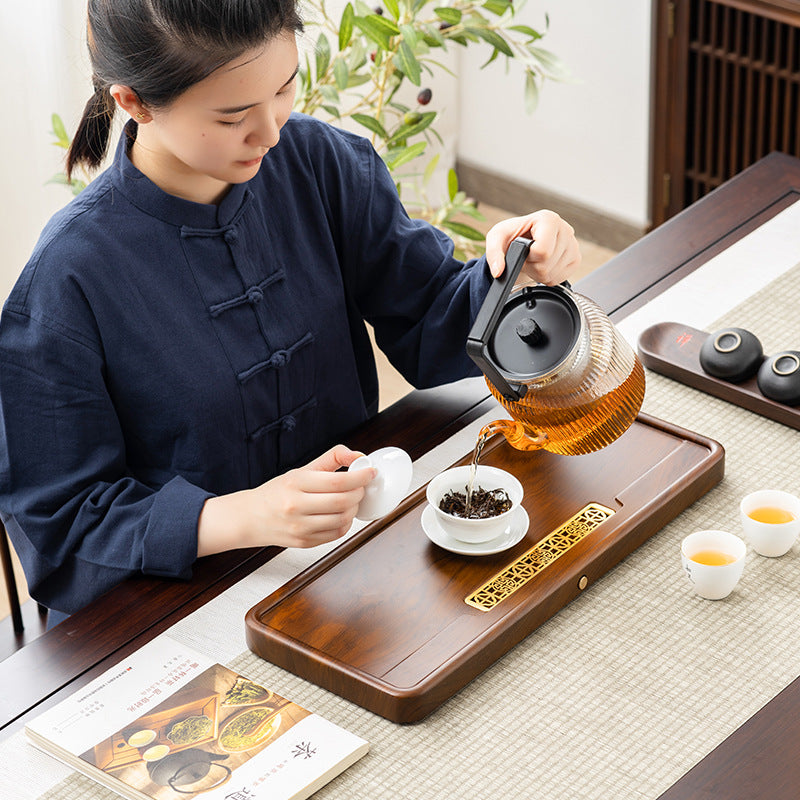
x=673 y=350
x=398 y=625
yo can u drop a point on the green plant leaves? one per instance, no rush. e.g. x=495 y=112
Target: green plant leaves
x=323 y=56
x=461 y=229
x=412 y=125
x=409 y=64
x=531 y=92
x=346 y=26
x=550 y=62
x=59 y=132
x=526 y=30
x=430 y=169
x=493 y=38
x=452 y=16
x=452 y=184
x=341 y=74
x=76 y=186
x=371 y=124
x=379 y=29
x=395 y=159
x=393 y=8
x=498 y=7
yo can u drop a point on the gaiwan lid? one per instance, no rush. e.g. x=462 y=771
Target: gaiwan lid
x=523 y=337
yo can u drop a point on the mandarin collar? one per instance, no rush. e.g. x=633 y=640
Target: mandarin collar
x=148 y=197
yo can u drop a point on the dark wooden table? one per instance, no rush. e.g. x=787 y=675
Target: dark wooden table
x=757 y=761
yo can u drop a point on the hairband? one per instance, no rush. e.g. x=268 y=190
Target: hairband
x=736 y=354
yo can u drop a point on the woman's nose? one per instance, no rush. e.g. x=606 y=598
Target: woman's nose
x=266 y=132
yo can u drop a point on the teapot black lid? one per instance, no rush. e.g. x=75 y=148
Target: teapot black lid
x=519 y=336
x=537 y=329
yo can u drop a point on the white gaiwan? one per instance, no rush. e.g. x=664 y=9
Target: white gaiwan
x=488 y=478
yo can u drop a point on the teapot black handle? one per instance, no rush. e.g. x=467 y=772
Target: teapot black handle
x=489 y=313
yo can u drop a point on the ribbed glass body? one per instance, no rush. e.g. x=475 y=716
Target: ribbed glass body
x=586 y=402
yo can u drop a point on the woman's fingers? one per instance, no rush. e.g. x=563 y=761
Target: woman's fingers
x=554 y=254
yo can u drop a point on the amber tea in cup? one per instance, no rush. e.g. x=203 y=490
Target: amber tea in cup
x=771 y=515
x=713 y=558
x=771 y=521
x=713 y=561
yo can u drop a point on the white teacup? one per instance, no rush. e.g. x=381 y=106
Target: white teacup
x=488 y=478
x=389 y=486
x=711 y=577
x=142 y=738
x=770 y=538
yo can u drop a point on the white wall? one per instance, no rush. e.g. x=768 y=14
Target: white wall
x=588 y=140
x=45 y=70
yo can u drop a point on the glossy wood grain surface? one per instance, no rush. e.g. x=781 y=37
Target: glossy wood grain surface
x=67 y=657
x=383 y=620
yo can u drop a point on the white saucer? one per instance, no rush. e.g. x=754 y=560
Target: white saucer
x=513 y=534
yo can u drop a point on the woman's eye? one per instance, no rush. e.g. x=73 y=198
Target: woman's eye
x=231 y=123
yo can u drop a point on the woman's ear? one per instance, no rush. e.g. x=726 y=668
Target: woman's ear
x=129 y=101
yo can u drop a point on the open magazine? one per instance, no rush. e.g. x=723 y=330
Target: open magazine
x=167 y=723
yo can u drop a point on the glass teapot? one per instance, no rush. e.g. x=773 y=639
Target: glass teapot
x=570 y=381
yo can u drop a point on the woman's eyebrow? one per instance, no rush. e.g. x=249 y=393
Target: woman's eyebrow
x=238 y=109
x=234 y=109
x=292 y=76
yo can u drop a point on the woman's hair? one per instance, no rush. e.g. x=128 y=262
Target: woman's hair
x=159 y=48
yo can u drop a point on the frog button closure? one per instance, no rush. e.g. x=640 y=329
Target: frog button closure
x=280 y=358
x=254 y=295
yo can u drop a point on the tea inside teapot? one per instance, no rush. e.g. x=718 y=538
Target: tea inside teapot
x=554 y=360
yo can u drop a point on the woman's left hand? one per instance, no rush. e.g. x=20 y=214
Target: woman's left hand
x=554 y=255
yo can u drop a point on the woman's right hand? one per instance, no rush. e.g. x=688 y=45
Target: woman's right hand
x=303 y=507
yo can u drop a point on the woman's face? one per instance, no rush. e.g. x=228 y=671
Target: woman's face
x=217 y=132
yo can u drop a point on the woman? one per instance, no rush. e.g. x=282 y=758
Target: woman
x=188 y=335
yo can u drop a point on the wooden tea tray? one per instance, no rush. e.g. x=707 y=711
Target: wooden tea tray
x=674 y=350
x=398 y=625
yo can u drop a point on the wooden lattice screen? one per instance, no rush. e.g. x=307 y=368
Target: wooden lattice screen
x=727 y=92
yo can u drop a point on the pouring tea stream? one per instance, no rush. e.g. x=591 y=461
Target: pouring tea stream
x=555 y=361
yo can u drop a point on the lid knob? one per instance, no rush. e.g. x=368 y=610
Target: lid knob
x=529 y=331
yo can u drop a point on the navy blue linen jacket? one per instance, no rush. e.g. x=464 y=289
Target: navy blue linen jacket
x=156 y=352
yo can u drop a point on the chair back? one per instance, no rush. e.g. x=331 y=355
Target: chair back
x=11 y=582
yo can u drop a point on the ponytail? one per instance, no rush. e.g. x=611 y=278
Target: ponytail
x=159 y=48
x=90 y=143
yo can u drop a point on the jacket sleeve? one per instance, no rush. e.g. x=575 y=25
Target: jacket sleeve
x=78 y=519
x=420 y=300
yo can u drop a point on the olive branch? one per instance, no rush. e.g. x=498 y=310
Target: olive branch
x=361 y=60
